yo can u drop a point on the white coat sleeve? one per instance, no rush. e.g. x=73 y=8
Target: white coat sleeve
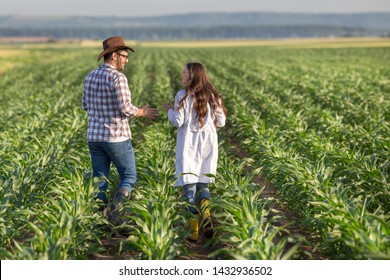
x=221 y=117
x=176 y=115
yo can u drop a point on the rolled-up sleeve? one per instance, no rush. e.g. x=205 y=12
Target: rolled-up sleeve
x=221 y=117
x=176 y=115
x=124 y=97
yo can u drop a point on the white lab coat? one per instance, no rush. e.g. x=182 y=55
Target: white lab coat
x=196 y=147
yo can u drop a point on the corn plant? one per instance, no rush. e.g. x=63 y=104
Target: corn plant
x=313 y=122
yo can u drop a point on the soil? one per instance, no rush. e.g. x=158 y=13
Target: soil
x=288 y=219
x=201 y=249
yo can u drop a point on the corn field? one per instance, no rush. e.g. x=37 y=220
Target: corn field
x=313 y=123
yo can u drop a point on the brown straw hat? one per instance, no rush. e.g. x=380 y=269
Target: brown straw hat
x=113 y=44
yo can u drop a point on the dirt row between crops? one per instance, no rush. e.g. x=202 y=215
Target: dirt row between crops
x=201 y=249
x=288 y=219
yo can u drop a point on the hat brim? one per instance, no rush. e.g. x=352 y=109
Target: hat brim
x=110 y=50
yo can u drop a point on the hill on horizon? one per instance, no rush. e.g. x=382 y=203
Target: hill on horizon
x=201 y=25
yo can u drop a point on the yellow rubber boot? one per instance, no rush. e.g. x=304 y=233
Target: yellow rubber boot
x=208 y=228
x=194 y=228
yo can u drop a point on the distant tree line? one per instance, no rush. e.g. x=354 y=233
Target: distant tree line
x=183 y=33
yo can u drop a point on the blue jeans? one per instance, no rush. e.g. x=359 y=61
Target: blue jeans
x=194 y=193
x=121 y=154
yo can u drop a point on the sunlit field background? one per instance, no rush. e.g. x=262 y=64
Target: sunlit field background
x=309 y=117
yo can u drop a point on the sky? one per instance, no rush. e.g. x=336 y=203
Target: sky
x=134 y=8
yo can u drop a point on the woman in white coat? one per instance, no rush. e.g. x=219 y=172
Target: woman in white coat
x=197 y=112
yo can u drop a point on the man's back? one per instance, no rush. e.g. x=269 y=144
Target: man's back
x=107 y=99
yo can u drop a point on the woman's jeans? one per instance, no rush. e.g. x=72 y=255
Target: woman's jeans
x=121 y=154
x=194 y=193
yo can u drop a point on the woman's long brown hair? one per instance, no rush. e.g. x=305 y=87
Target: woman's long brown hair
x=203 y=92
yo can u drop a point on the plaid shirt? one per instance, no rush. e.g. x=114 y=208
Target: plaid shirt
x=107 y=99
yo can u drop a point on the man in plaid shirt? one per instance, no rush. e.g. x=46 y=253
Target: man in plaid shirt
x=107 y=99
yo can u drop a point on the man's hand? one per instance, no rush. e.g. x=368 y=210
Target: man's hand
x=150 y=113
